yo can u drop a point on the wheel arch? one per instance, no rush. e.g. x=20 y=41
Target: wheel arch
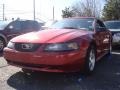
x=93 y=43
x=86 y=66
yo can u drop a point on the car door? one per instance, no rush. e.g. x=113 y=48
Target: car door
x=103 y=37
x=13 y=29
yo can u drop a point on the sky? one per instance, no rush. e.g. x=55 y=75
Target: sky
x=24 y=8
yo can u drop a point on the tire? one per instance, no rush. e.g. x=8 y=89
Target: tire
x=90 y=60
x=2 y=44
x=110 y=49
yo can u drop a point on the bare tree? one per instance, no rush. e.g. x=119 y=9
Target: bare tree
x=87 y=8
x=67 y=12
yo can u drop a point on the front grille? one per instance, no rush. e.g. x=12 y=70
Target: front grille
x=26 y=47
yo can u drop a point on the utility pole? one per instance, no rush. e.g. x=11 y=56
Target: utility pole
x=3 y=12
x=53 y=10
x=94 y=2
x=53 y=13
x=34 y=10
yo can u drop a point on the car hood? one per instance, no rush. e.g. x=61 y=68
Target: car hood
x=51 y=36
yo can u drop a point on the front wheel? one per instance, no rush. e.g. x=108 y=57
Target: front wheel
x=2 y=44
x=110 y=48
x=90 y=60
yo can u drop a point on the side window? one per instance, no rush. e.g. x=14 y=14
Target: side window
x=15 y=26
x=26 y=25
x=36 y=25
x=30 y=25
x=100 y=26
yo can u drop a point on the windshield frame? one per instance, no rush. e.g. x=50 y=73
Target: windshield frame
x=72 y=23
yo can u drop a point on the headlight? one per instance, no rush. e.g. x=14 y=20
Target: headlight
x=11 y=45
x=62 y=47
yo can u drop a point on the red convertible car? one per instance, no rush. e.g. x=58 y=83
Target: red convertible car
x=69 y=45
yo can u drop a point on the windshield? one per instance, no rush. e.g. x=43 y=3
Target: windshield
x=85 y=24
x=3 y=24
x=113 y=25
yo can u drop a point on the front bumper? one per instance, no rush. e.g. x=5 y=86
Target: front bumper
x=46 y=61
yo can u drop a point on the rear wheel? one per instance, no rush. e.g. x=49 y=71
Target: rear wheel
x=2 y=44
x=90 y=60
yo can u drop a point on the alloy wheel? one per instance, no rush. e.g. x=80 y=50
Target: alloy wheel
x=91 y=60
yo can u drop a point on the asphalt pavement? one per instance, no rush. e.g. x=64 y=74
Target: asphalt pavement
x=105 y=77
